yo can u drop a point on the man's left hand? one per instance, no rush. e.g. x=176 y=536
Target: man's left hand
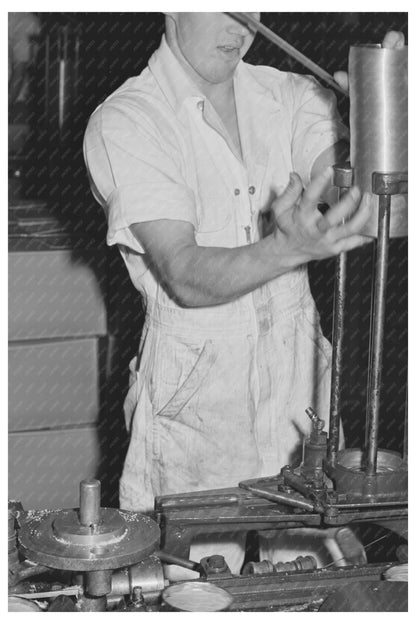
x=392 y=39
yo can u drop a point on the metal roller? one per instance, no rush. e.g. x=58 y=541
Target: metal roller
x=378 y=122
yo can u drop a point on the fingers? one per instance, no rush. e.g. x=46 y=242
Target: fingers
x=352 y=242
x=393 y=39
x=341 y=77
x=356 y=222
x=342 y=210
x=316 y=189
x=290 y=196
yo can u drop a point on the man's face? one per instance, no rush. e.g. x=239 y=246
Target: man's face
x=212 y=43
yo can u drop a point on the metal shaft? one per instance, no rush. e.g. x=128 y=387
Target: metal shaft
x=281 y=497
x=337 y=350
x=343 y=178
x=405 y=439
x=90 y=502
x=98 y=583
x=377 y=335
x=179 y=561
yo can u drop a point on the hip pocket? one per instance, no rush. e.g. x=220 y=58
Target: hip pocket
x=180 y=370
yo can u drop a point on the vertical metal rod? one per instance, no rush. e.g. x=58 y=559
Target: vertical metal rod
x=62 y=77
x=47 y=76
x=405 y=443
x=76 y=81
x=90 y=502
x=377 y=335
x=337 y=350
x=343 y=179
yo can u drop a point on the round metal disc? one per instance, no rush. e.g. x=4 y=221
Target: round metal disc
x=196 y=596
x=56 y=539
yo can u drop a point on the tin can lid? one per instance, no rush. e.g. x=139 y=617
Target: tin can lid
x=196 y=596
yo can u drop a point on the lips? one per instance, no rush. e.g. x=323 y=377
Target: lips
x=230 y=50
x=232 y=45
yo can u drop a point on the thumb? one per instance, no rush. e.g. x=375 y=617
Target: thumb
x=341 y=77
x=290 y=196
x=393 y=39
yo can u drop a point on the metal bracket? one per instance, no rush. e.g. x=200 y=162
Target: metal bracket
x=393 y=183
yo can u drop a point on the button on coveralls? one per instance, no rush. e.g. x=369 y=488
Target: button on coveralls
x=218 y=394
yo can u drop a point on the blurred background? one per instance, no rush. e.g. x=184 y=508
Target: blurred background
x=74 y=318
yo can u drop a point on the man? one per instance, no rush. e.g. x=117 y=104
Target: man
x=187 y=159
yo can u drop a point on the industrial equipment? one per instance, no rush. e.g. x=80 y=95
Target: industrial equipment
x=95 y=559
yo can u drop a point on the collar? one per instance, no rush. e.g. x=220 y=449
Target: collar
x=172 y=78
x=178 y=87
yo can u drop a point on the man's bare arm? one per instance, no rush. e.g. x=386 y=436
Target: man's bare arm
x=203 y=276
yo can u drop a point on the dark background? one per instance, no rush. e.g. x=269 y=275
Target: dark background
x=101 y=50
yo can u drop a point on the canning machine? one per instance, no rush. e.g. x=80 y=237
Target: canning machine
x=96 y=559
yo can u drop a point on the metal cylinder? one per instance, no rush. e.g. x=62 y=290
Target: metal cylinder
x=378 y=122
x=98 y=582
x=147 y=574
x=89 y=502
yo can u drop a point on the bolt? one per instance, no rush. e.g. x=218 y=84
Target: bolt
x=137 y=596
x=216 y=562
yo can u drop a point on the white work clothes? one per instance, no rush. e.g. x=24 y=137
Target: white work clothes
x=219 y=393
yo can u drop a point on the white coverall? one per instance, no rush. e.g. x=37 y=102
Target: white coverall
x=220 y=392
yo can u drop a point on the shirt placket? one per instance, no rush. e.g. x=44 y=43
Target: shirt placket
x=237 y=179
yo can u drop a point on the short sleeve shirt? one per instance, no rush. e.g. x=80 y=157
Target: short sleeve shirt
x=156 y=149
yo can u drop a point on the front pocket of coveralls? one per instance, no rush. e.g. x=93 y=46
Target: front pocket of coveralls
x=214 y=214
x=191 y=384
x=313 y=330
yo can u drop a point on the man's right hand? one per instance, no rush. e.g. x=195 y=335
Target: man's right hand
x=203 y=276
x=303 y=233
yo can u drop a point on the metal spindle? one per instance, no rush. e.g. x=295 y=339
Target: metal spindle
x=343 y=176
x=377 y=336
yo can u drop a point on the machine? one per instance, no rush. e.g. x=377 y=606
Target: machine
x=97 y=559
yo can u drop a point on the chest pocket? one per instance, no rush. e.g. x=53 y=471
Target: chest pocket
x=214 y=213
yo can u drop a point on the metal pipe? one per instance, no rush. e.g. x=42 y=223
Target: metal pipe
x=281 y=497
x=377 y=336
x=179 y=561
x=47 y=76
x=255 y=24
x=76 y=74
x=405 y=442
x=337 y=350
x=62 y=77
x=343 y=178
